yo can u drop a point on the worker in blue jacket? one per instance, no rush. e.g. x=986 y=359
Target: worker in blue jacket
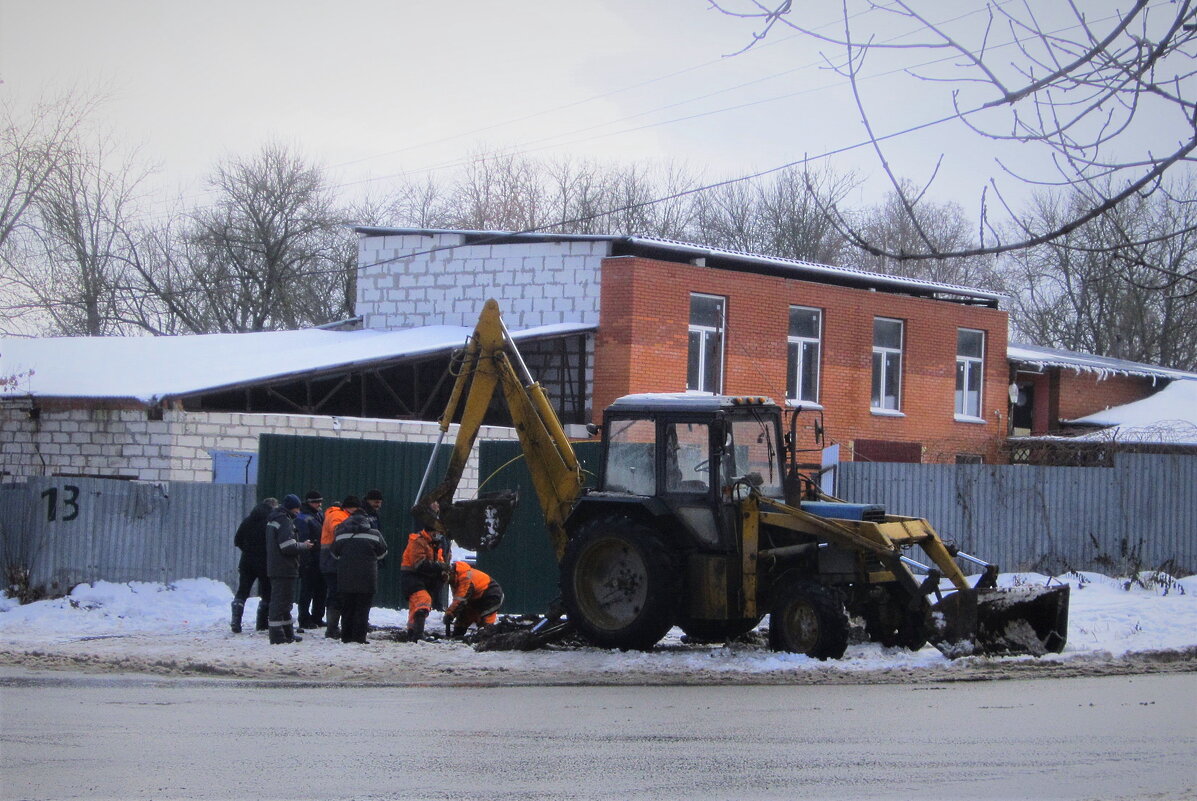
x=282 y=564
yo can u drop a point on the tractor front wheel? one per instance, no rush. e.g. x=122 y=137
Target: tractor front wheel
x=808 y=618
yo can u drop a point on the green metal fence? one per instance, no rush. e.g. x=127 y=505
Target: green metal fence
x=340 y=467
x=524 y=563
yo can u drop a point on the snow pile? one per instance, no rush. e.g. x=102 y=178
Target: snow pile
x=1168 y=416
x=183 y=627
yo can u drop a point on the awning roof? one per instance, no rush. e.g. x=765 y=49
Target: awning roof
x=149 y=369
x=1039 y=357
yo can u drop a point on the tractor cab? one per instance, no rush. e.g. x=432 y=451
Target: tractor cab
x=687 y=453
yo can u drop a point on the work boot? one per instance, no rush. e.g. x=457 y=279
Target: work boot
x=277 y=635
x=289 y=633
x=238 y=609
x=334 y=629
x=416 y=631
x=263 y=621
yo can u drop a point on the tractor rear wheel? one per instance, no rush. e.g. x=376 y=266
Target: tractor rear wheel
x=619 y=584
x=808 y=618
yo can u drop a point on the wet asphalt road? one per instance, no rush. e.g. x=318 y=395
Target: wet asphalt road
x=66 y=736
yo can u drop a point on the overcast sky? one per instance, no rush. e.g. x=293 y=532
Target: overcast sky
x=375 y=90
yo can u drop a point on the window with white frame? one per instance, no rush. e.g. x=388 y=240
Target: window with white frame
x=802 y=368
x=887 y=364
x=970 y=363
x=705 y=363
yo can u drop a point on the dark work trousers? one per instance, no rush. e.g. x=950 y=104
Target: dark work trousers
x=282 y=595
x=355 y=615
x=331 y=599
x=312 y=593
x=247 y=576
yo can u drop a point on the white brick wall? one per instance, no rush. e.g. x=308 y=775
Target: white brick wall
x=178 y=448
x=535 y=283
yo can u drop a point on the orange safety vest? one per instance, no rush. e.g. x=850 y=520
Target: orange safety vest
x=334 y=517
x=420 y=549
x=468 y=583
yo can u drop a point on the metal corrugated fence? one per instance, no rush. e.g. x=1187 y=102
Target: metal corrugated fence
x=71 y=530
x=1140 y=513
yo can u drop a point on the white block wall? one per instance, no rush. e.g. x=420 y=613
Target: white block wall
x=535 y=283
x=123 y=443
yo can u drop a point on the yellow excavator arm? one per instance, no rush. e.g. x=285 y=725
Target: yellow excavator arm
x=491 y=359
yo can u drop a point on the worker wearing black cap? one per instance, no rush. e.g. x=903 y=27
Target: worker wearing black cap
x=282 y=564
x=311 y=582
x=373 y=508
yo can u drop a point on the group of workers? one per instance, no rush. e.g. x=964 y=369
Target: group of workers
x=334 y=556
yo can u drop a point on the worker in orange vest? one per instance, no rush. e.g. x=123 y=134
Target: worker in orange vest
x=335 y=516
x=476 y=599
x=425 y=563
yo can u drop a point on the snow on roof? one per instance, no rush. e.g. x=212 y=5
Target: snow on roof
x=1169 y=417
x=1039 y=356
x=797 y=267
x=682 y=401
x=150 y=368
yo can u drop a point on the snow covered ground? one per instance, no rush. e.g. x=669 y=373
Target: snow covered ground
x=182 y=628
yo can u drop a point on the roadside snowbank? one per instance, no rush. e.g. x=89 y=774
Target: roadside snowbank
x=182 y=628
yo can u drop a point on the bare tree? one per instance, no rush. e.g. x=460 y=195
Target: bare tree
x=578 y=196
x=33 y=146
x=87 y=236
x=894 y=228
x=784 y=217
x=1104 y=93
x=272 y=251
x=504 y=192
x=1098 y=287
x=498 y=192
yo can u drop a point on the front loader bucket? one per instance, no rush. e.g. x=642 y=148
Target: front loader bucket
x=1008 y=620
x=480 y=524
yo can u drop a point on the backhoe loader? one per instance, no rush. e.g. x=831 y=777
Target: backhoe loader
x=702 y=519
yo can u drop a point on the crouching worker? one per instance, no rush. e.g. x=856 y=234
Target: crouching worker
x=357 y=547
x=282 y=564
x=422 y=573
x=476 y=599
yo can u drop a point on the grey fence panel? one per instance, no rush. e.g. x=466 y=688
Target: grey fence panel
x=201 y=521
x=1141 y=513
x=65 y=531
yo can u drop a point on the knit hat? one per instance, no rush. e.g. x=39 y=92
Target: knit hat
x=374 y=495
x=291 y=502
x=351 y=502
x=313 y=496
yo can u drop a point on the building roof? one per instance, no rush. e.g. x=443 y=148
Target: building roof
x=1039 y=357
x=149 y=369
x=672 y=250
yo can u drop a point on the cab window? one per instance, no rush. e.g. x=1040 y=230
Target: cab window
x=754 y=450
x=631 y=445
x=687 y=462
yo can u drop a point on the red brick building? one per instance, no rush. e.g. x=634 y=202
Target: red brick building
x=905 y=370
x=884 y=364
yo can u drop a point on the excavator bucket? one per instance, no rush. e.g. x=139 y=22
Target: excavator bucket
x=996 y=621
x=479 y=524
